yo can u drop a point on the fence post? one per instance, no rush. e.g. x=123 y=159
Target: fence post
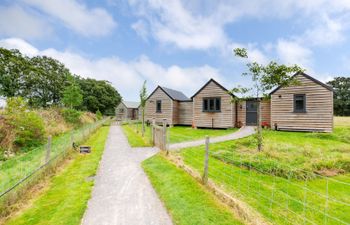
x=164 y=135
x=48 y=150
x=152 y=130
x=205 y=172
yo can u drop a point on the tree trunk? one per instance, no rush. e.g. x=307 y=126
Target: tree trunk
x=259 y=137
x=143 y=121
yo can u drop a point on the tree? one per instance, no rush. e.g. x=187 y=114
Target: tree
x=143 y=98
x=264 y=77
x=98 y=95
x=72 y=96
x=341 y=86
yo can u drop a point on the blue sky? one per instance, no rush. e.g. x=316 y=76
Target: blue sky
x=179 y=44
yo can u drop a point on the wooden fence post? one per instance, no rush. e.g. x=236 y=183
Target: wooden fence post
x=48 y=150
x=153 y=131
x=164 y=135
x=205 y=172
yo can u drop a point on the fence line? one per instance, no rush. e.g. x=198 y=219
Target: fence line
x=277 y=198
x=21 y=168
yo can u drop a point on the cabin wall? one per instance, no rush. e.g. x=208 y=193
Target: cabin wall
x=121 y=112
x=167 y=107
x=266 y=112
x=185 y=113
x=241 y=114
x=223 y=119
x=319 y=107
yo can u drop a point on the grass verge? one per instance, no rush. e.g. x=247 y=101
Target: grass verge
x=65 y=200
x=186 y=200
x=177 y=134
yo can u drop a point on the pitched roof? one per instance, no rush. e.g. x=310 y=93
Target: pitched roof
x=173 y=94
x=131 y=105
x=309 y=77
x=217 y=83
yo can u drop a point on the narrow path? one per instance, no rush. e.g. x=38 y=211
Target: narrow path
x=123 y=194
x=243 y=132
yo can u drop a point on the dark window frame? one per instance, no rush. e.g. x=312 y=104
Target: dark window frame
x=216 y=103
x=303 y=110
x=159 y=109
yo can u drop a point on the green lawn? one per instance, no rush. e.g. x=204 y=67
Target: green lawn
x=296 y=192
x=177 y=134
x=65 y=200
x=186 y=200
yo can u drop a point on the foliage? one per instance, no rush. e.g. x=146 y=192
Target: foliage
x=28 y=126
x=72 y=96
x=98 y=95
x=71 y=116
x=341 y=87
x=48 y=207
x=99 y=115
x=264 y=78
x=143 y=99
x=186 y=200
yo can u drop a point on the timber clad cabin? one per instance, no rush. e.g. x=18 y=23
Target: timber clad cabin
x=307 y=106
x=127 y=111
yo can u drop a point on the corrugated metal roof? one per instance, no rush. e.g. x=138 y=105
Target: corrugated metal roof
x=131 y=105
x=176 y=95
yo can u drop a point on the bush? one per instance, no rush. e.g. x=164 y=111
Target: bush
x=71 y=116
x=99 y=115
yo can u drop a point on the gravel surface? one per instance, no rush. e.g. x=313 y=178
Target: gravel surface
x=122 y=193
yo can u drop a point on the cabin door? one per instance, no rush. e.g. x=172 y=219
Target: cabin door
x=251 y=113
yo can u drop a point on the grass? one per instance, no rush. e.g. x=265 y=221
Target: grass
x=65 y=200
x=296 y=192
x=186 y=200
x=177 y=134
x=19 y=166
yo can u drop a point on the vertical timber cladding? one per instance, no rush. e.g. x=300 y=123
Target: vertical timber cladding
x=223 y=119
x=167 y=107
x=319 y=106
x=185 y=111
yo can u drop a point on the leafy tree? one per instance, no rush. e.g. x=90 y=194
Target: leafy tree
x=46 y=81
x=341 y=86
x=143 y=98
x=264 y=78
x=13 y=67
x=99 y=115
x=72 y=96
x=98 y=95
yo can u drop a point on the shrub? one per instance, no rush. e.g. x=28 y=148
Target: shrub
x=71 y=116
x=99 y=115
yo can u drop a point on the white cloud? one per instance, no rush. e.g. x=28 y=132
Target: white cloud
x=290 y=52
x=76 y=16
x=15 y=21
x=141 y=28
x=128 y=76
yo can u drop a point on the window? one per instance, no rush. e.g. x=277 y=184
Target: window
x=159 y=106
x=300 y=103
x=121 y=110
x=211 y=104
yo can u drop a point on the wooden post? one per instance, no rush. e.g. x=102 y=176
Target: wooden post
x=164 y=135
x=48 y=150
x=205 y=172
x=153 y=130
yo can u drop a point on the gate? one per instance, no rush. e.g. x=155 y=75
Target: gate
x=159 y=135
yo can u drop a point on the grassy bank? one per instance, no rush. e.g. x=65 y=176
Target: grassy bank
x=65 y=199
x=177 y=134
x=296 y=194
x=186 y=200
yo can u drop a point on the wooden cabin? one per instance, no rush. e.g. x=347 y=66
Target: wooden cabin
x=170 y=105
x=127 y=110
x=305 y=107
x=213 y=107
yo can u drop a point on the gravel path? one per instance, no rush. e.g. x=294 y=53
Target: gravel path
x=243 y=132
x=122 y=193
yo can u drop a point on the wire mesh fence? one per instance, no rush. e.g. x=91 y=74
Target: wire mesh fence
x=279 y=199
x=22 y=169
